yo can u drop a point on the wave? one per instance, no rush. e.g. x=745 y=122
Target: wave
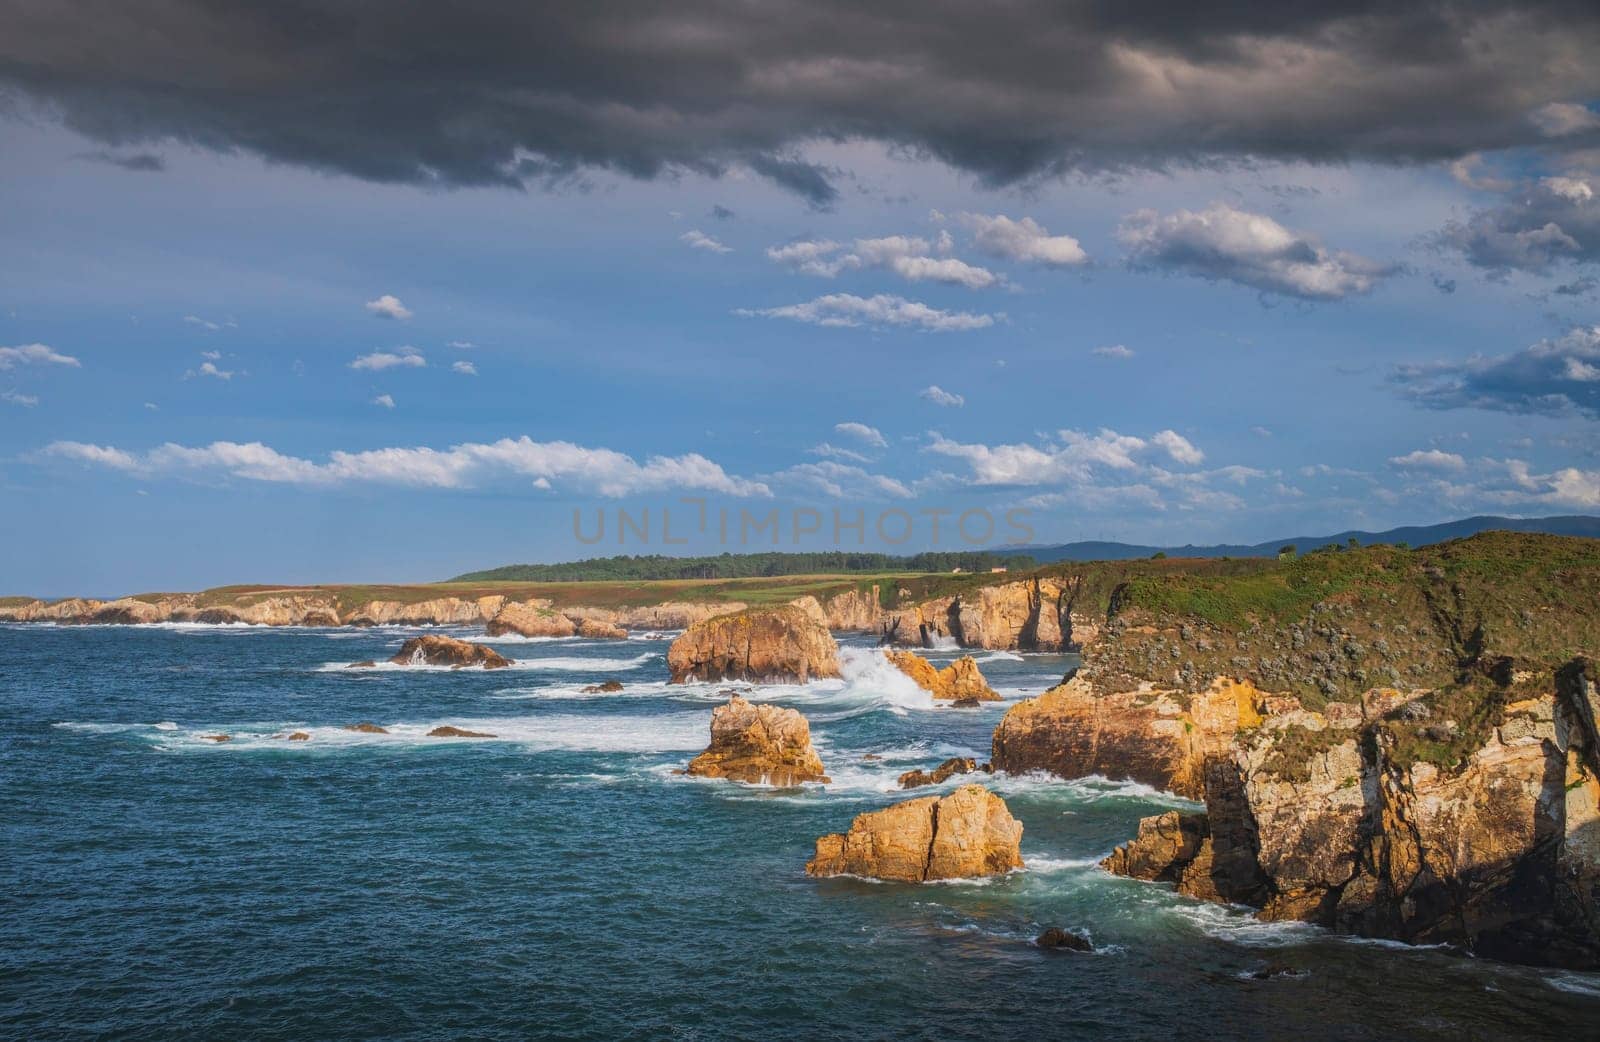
x=570 y=664
x=609 y=733
x=999 y=656
x=1093 y=788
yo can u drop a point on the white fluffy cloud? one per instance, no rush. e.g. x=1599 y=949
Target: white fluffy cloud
x=1429 y=459
x=34 y=354
x=939 y=396
x=913 y=258
x=1221 y=242
x=842 y=481
x=401 y=357
x=384 y=400
x=860 y=431
x=464 y=368
x=1113 y=351
x=1068 y=457
x=604 y=471
x=389 y=306
x=701 y=241
x=27 y=401
x=882 y=310
x=1023 y=240
x=1181 y=449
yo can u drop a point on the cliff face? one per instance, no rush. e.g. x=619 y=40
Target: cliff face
x=1459 y=805
x=1027 y=615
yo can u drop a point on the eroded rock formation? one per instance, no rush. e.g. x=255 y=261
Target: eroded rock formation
x=760 y=744
x=961 y=680
x=940 y=774
x=764 y=645
x=530 y=619
x=969 y=833
x=433 y=650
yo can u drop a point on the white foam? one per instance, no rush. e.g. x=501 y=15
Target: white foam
x=1052 y=865
x=1091 y=789
x=590 y=732
x=999 y=656
x=558 y=663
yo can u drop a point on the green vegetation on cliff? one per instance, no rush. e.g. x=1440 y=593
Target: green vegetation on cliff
x=743 y=566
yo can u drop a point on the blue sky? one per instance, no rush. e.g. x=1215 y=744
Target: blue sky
x=235 y=368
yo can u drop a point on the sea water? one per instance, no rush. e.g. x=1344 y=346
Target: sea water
x=563 y=880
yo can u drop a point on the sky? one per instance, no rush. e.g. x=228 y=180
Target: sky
x=334 y=292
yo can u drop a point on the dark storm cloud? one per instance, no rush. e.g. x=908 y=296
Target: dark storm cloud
x=1553 y=378
x=141 y=162
x=1540 y=224
x=497 y=93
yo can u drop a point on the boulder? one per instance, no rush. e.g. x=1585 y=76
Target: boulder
x=967 y=834
x=1055 y=938
x=768 y=645
x=431 y=650
x=960 y=681
x=299 y=736
x=762 y=744
x=366 y=727
x=531 y=619
x=448 y=731
x=599 y=629
x=605 y=687
x=949 y=769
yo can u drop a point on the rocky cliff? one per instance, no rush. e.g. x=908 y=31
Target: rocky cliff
x=960 y=681
x=1391 y=743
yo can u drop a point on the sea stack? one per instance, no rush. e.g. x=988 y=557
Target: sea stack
x=968 y=834
x=761 y=744
x=765 y=645
x=433 y=650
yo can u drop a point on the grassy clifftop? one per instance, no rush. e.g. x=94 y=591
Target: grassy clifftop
x=1477 y=624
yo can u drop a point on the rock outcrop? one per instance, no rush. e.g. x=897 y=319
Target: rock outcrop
x=432 y=650
x=765 y=645
x=605 y=687
x=600 y=629
x=760 y=744
x=1025 y=615
x=435 y=611
x=940 y=774
x=1401 y=828
x=1055 y=938
x=530 y=619
x=961 y=680
x=1160 y=737
x=366 y=727
x=969 y=833
x=449 y=731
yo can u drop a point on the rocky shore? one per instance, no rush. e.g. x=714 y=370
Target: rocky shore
x=1389 y=743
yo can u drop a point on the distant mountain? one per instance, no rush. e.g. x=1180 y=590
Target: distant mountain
x=1412 y=535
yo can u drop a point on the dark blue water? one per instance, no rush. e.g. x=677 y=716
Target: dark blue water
x=560 y=881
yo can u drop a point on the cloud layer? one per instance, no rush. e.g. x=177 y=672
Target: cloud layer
x=485 y=93
x=603 y=471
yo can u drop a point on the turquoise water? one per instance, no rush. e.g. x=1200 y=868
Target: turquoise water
x=561 y=881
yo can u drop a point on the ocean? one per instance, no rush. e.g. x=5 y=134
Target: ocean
x=563 y=881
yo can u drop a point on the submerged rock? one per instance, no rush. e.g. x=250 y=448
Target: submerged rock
x=760 y=744
x=949 y=769
x=447 y=731
x=767 y=645
x=961 y=681
x=967 y=834
x=364 y=664
x=1055 y=938
x=219 y=738
x=431 y=650
x=366 y=727
x=605 y=687
x=299 y=736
